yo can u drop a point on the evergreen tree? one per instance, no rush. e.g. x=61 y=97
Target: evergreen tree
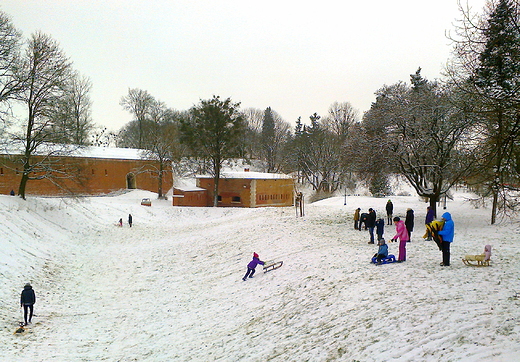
x=495 y=97
x=214 y=132
x=268 y=139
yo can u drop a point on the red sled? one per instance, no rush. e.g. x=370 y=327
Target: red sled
x=272 y=266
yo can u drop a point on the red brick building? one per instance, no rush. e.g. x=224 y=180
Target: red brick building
x=88 y=171
x=239 y=189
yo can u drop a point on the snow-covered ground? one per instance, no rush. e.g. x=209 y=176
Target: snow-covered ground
x=170 y=288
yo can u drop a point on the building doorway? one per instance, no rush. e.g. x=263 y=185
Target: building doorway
x=130 y=181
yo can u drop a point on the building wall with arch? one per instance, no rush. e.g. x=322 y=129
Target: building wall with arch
x=85 y=176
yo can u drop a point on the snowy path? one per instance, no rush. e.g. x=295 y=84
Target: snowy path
x=169 y=289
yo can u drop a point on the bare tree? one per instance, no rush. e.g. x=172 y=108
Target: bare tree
x=45 y=70
x=416 y=132
x=72 y=115
x=11 y=84
x=138 y=102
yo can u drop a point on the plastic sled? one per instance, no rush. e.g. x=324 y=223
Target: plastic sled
x=389 y=259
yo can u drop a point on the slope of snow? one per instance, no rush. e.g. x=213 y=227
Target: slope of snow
x=170 y=288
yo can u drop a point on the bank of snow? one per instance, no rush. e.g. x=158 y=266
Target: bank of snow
x=170 y=288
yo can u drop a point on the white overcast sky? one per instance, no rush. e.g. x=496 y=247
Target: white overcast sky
x=297 y=57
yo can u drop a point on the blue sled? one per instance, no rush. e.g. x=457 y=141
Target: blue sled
x=389 y=259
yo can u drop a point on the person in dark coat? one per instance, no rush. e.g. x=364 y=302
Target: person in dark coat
x=430 y=216
x=380 y=228
x=252 y=265
x=130 y=220
x=409 y=221
x=389 y=212
x=371 y=224
x=27 y=300
x=363 y=220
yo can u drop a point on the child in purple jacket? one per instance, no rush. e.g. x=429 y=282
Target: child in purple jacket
x=252 y=265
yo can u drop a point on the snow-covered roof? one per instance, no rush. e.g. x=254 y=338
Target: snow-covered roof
x=109 y=152
x=249 y=175
x=85 y=151
x=190 y=189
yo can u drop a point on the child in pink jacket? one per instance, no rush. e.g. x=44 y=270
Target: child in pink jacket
x=402 y=235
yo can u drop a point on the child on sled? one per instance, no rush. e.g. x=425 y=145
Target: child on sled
x=382 y=252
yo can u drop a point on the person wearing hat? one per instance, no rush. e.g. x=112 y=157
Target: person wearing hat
x=251 y=266
x=447 y=233
x=402 y=235
x=27 y=300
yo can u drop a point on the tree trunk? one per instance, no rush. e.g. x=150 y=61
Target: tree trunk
x=215 y=191
x=23 y=184
x=160 y=191
x=494 y=207
x=433 y=204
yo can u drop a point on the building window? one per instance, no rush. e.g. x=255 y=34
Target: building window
x=219 y=198
x=235 y=199
x=93 y=171
x=1 y=170
x=106 y=172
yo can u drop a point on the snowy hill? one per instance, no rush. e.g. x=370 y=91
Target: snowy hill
x=170 y=288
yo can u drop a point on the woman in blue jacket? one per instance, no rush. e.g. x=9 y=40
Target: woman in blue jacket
x=447 y=233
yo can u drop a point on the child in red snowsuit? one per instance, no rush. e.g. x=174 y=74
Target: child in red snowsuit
x=252 y=265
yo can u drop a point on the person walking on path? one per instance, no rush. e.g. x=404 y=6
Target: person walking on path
x=430 y=216
x=252 y=265
x=27 y=300
x=389 y=211
x=371 y=224
x=447 y=233
x=409 y=222
x=130 y=220
x=356 y=219
x=402 y=235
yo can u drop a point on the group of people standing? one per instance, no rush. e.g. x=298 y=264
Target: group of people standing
x=404 y=228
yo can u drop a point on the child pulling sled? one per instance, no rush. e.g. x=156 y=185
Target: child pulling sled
x=252 y=266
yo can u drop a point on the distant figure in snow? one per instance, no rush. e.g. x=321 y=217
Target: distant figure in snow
x=356 y=219
x=382 y=252
x=121 y=222
x=380 y=228
x=252 y=265
x=27 y=300
x=409 y=222
x=402 y=235
x=11 y=193
x=130 y=220
x=389 y=211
